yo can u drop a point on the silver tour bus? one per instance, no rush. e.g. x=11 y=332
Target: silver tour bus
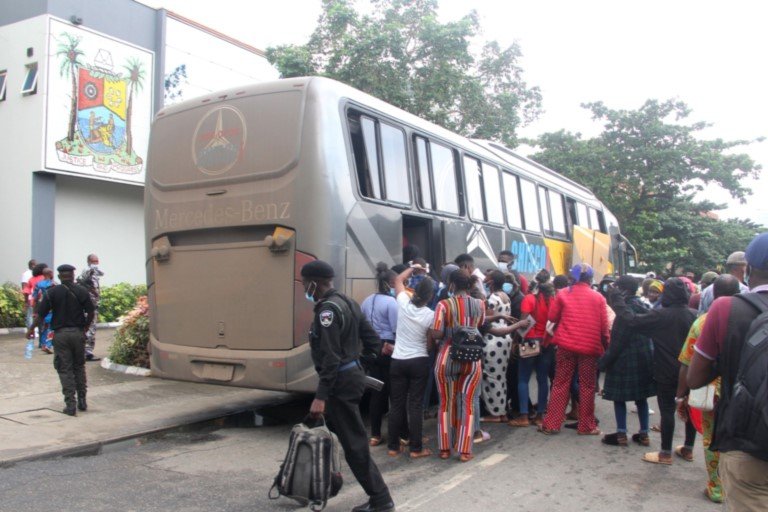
x=245 y=186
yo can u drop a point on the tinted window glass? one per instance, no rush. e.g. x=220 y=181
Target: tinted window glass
x=395 y=163
x=474 y=195
x=530 y=205
x=444 y=176
x=492 y=194
x=369 y=139
x=422 y=162
x=512 y=196
x=543 y=208
x=557 y=210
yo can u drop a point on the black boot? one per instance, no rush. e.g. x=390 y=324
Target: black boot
x=70 y=410
x=368 y=507
x=81 y=403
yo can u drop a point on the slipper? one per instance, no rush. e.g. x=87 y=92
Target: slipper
x=492 y=419
x=484 y=436
x=395 y=453
x=465 y=457
x=679 y=452
x=655 y=458
x=375 y=441
x=445 y=454
x=656 y=428
x=425 y=452
x=594 y=432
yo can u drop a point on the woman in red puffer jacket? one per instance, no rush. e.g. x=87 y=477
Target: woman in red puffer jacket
x=581 y=337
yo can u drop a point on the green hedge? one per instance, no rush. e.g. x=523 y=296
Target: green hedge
x=118 y=300
x=12 y=310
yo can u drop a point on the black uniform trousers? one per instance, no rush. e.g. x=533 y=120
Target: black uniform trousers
x=69 y=362
x=343 y=409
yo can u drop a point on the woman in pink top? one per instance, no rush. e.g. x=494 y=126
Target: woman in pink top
x=581 y=338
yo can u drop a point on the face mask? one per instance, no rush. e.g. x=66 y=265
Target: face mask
x=504 y=266
x=507 y=288
x=487 y=289
x=392 y=292
x=309 y=294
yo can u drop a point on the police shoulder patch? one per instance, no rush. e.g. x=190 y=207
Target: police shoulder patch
x=326 y=318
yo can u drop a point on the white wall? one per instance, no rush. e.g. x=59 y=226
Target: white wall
x=104 y=218
x=22 y=120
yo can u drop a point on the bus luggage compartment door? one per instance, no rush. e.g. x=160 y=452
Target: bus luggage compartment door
x=236 y=296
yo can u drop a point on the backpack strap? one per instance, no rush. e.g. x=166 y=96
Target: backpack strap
x=759 y=301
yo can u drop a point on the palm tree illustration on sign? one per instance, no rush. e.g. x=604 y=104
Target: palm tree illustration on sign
x=99 y=130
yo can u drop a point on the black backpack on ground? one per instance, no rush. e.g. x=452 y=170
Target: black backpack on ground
x=745 y=412
x=311 y=471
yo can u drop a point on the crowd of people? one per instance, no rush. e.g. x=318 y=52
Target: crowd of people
x=63 y=316
x=649 y=337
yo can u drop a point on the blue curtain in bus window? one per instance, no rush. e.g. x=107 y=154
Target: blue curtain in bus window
x=474 y=193
x=493 y=207
x=544 y=211
x=395 y=164
x=444 y=176
x=422 y=162
x=557 y=209
x=369 y=138
x=512 y=196
x=530 y=205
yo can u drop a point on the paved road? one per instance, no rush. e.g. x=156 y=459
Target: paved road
x=231 y=469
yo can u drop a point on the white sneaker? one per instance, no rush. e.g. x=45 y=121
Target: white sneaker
x=634 y=410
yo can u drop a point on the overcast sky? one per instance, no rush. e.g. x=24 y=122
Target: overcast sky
x=709 y=54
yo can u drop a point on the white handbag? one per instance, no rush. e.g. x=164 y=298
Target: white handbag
x=703 y=398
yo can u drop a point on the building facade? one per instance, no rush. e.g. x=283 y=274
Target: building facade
x=80 y=81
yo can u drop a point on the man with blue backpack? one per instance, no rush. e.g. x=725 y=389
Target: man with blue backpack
x=734 y=345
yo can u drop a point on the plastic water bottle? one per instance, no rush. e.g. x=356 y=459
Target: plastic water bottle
x=30 y=348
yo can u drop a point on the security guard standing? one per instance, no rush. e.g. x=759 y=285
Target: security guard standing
x=337 y=330
x=73 y=311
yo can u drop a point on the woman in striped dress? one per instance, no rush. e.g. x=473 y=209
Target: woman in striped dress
x=458 y=383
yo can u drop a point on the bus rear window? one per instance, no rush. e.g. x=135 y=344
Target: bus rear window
x=250 y=136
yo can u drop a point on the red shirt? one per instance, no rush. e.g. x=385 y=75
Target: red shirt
x=536 y=305
x=31 y=285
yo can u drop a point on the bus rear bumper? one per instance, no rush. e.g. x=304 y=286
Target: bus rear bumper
x=277 y=370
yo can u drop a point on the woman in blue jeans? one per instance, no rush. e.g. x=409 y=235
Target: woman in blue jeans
x=535 y=309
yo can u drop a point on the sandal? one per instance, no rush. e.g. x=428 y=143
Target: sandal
x=466 y=457
x=546 y=431
x=520 y=421
x=656 y=428
x=684 y=453
x=395 y=453
x=594 y=432
x=492 y=419
x=484 y=436
x=445 y=454
x=375 y=441
x=656 y=458
x=425 y=452
x=641 y=438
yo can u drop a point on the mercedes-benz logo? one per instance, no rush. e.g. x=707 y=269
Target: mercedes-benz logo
x=219 y=140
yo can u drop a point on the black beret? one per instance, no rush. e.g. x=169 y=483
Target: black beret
x=65 y=268
x=317 y=268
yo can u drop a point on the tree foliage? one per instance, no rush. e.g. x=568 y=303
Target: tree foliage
x=402 y=54
x=173 y=82
x=647 y=166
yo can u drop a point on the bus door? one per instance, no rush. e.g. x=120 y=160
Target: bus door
x=426 y=234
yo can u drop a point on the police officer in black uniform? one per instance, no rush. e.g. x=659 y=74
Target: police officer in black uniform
x=337 y=331
x=73 y=312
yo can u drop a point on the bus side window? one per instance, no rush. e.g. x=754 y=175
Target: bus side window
x=472 y=179
x=424 y=186
x=557 y=212
x=512 y=196
x=594 y=221
x=395 y=163
x=582 y=218
x=544 y=208
x=444 y=177
x=493 y=208
x=530 y=205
